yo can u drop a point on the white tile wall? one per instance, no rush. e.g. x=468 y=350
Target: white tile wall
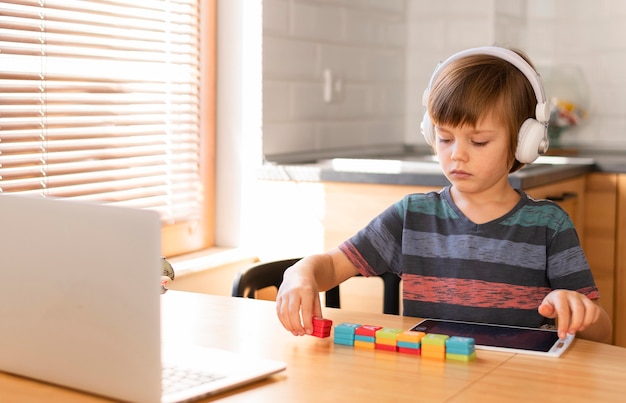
x=363 y=44
x=591 y=35
x=384 y=52
x=436 y=30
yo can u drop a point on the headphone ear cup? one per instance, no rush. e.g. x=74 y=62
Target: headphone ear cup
x=428 y=130
x=531 y=141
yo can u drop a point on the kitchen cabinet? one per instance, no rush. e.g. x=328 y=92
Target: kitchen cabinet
x=605 y=244
x=600 y=227
x=620 y=265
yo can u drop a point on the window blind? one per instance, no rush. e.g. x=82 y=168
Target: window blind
x=100 y=100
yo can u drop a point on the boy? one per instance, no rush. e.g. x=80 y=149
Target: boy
x=477 y=250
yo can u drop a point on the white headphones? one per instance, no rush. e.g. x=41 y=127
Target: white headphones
x=533 y=134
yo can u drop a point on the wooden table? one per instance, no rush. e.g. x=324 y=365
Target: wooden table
x=320 y=371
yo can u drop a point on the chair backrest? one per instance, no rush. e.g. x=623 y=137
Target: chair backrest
x=270 y=274
x=391 y=293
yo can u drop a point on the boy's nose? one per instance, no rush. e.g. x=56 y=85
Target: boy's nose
x=459 y=151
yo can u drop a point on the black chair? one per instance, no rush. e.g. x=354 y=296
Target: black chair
x=270 y=274
x=391 y=293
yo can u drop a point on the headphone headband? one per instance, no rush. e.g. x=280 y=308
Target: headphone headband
x=542 y=112
x=533 y=133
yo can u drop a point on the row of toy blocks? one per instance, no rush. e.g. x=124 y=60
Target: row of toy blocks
x=410 y=342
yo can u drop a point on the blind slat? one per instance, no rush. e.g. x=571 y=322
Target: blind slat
x=142 y=14
x=99 y=100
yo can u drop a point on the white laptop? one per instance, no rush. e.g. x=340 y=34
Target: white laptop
x=80 y=303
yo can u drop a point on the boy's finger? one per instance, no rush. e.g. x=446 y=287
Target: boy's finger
x=546 y=310
x=309 y=312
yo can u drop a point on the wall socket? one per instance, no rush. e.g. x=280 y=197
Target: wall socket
x=332 y=87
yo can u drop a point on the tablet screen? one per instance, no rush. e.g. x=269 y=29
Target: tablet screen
x=509 y=337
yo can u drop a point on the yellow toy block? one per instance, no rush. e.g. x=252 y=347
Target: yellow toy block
x=433 y=351
x=461 y=357
x=364 y=344
x=435 y=339
x=387 y=333
x=410 y=336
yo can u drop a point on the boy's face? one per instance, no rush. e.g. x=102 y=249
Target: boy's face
x=474 y=159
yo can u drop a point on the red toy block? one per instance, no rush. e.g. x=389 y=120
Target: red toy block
x=367 y=330
x=406 y=350
x=387 y=347
x=321 y=327
x=322 y=323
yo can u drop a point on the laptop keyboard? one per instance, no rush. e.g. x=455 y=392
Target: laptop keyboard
x=175 y=378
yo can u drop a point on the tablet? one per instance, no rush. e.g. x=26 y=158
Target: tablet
x=523 y=340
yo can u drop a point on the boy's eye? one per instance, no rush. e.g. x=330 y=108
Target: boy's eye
x=480 y=143
x=444 y=140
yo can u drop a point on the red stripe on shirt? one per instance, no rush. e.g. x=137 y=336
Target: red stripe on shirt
x=468 y=292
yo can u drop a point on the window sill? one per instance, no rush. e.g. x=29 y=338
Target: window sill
x=209 y=259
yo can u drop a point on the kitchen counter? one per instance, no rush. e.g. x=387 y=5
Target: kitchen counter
x=606 y=161
x=415 y=171
x=420 y=168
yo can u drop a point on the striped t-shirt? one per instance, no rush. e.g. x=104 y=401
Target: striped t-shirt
x=451 y=268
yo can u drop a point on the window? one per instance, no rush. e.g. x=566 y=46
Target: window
x=112 y=101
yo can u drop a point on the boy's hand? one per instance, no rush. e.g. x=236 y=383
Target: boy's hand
x=573 y=311
x=297 y=303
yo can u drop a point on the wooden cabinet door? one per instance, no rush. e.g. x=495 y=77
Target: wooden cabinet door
x=620 y=266
x=599 y=245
